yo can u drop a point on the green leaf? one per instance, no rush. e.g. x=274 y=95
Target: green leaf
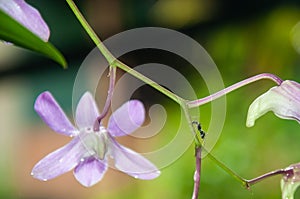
x=12 y=31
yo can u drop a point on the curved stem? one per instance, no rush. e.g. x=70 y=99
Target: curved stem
x=248 y=183
x=113 y=61
x=287 y=171
x=106 y=53
x=112 y=80
x=150 y=82
x=186 y=105
x=197 y=172
x=228 y=170
x=198 y=102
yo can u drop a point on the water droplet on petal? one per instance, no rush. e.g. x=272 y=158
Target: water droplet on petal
x=136 y=176
x=82 y=159
x=61 y=160
x=31 y=173
x=45 y=180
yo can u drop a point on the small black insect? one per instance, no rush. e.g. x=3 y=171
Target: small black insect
x=202 y=133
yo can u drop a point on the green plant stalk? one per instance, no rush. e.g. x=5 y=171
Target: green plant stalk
x=229 y=171
x=106 y=53
x=116 y=63
x=150 y=82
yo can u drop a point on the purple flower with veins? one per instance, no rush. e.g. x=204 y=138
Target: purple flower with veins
x=26 y=15
x=88 y=152
x=283 y=100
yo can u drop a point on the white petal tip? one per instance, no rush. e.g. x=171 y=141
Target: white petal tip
x=250 y=123
x=86 y=185
x=147 y=176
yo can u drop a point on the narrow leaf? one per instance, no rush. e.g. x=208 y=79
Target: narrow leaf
x=12 y=31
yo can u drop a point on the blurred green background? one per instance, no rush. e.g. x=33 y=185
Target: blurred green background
x=244 y=38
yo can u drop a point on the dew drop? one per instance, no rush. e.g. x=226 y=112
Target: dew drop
x=31 y=173
x=61 y=160
x=82 y=159
x=45 y=180
x=136 y=176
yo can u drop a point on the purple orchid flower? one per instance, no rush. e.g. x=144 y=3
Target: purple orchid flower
x=283 y=100
x=88 y=152
x=26 y=15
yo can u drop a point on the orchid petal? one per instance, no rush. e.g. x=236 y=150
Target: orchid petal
x=132 y=163
x=127 y=118
x=26 y=15
x=60 y=161
x=86 y=111
x=288 y=189
x=283 y=100
x=52 y=114
x=90 y=171
x=290 y=182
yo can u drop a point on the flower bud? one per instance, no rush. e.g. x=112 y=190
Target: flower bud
x=283 y=100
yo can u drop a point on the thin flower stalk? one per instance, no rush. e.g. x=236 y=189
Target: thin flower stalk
x=199 y=102
x=197 y=174
x=112 y=80
x=253 y=181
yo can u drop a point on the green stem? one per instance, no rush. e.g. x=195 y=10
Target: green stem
x=150 y=82
x=228 y=170
x=106 y=53
x=114 y=62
